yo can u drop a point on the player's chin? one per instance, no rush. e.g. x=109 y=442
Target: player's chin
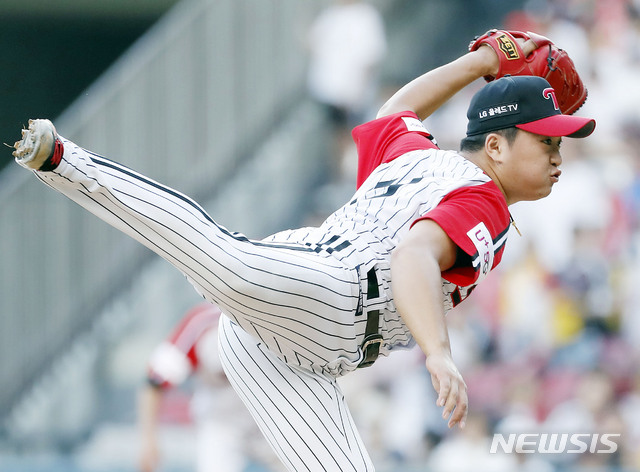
x=540 y=192
x=547 y=191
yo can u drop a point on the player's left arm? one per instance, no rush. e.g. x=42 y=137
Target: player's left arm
x=416 y=267
x=430 y=91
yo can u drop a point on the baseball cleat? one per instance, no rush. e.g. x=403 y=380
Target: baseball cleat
x=37 y=146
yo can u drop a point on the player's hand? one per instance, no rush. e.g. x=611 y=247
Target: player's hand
x=492 y=60
x=450 y=387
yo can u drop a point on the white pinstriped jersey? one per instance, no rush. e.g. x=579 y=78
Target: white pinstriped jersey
x=417 y=182
x=421 y=183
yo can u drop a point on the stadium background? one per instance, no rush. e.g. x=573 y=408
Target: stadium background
x=550 y=341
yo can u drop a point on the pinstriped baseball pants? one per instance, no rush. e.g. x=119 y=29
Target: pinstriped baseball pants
x=290 y=328
x=303 y=415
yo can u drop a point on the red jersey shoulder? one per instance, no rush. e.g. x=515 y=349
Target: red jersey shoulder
x=477 y=220
x=386 y=138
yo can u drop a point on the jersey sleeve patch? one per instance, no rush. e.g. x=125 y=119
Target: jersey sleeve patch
x=482 y=240
x=414 y=124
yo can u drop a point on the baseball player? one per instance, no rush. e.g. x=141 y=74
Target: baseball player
x=224 y=435
x=308 y=305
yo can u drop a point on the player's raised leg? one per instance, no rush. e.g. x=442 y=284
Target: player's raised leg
x=302 y=414
x=296 y=300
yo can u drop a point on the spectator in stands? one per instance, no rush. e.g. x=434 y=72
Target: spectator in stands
x=347 y=43
x=227 y=437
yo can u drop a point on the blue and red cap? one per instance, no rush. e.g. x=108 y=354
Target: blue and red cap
x=526 y=102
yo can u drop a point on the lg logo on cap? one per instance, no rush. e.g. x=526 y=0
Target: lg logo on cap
x=549 y=93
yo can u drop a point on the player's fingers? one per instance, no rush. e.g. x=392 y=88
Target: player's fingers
x=436 y=383
x=443 y=391
x=528 y=47
x=451 y=401
x=459 y=415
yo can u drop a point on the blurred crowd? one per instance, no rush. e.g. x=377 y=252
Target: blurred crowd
x=551 y=342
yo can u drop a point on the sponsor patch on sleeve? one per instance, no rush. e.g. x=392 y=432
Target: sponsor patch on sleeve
x=481 y=239
x=414 y=124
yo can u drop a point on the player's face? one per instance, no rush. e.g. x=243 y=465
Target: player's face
x=531 y=166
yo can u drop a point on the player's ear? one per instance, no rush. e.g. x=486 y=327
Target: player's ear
x=494 y=146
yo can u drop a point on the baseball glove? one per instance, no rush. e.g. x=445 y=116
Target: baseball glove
x=546 y=61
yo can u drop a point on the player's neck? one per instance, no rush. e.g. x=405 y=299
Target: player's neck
x=481 y=160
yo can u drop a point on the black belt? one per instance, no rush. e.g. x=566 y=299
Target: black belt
x=372 y=339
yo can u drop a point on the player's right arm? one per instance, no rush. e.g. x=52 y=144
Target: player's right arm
x=416 y=267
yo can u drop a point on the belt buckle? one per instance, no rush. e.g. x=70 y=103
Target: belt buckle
x=370 y=349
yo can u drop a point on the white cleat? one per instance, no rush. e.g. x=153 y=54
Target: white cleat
x=37 y=144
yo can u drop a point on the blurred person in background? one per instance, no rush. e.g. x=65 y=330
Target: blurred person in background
x=227 y=438
x=591 y=410
x=629 y=405
x=469 y=450
x=347 y=43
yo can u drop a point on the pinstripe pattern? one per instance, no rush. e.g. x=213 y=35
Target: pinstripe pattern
x=295 y=302
x=381 y=212
x=298 y=290
x=303 y=416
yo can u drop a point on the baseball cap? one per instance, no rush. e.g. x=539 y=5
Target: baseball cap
x=526 y=102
